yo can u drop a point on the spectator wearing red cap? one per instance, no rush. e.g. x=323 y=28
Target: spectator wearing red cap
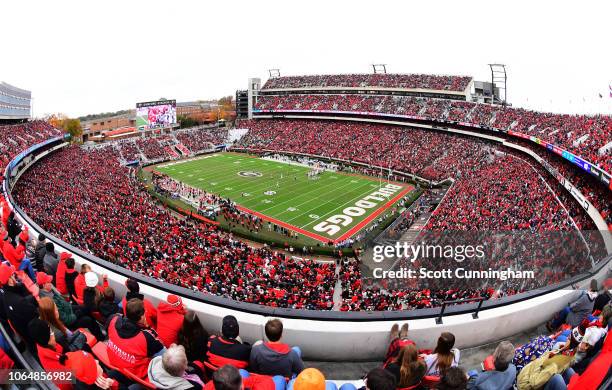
x=131 y=343
x=64 y=308
x=88 y=373
x=134 y=292
x=60 y=275
x=19 y=305
x=170 y=315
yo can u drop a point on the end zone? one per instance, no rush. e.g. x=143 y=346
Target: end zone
x=352 y=231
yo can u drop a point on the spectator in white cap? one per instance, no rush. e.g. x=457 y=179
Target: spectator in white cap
x=91 y=279
x=93 y=293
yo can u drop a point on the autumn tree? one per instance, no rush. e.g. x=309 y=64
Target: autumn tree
x=56 y=120
x=73 y=127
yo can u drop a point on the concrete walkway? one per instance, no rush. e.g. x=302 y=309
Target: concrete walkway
x=471 y=358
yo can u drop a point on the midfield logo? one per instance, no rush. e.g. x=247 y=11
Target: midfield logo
x=250 y=174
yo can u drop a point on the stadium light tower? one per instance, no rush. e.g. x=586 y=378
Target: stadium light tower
x=274 y=73
x=499 y=77
x=379 y=68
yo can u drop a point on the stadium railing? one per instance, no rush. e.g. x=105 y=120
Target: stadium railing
x=330 y=335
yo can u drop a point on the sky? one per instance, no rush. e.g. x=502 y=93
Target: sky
x=82 y=57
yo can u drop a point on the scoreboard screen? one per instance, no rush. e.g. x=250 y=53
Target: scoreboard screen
x=158 y=114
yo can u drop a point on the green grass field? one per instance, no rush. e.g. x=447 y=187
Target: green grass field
x=331 y=208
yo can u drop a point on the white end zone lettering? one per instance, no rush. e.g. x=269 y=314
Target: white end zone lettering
x=332 y=225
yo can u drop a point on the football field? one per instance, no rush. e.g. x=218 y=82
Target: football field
x=332 y=207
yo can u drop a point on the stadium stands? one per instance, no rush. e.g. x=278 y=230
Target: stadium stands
x=431 y=155
x=16 y=138
x=186 y=141
x=197 y=140
x=118 y=221
x=119 y=197
x=387 y=80
x=97 y=205
x=584 y=136
x=151 y=149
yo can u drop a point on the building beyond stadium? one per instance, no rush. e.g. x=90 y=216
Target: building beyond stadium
x=15 y=103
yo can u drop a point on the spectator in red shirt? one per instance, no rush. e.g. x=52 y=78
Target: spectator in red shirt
x=131 y=342
x=170 y=315
x=60 y=275
x=16 y=256
x=79 y=283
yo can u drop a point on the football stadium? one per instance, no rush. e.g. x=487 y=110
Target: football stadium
x=317 y=230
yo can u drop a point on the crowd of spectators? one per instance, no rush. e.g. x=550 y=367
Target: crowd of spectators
x=474 y=165
x=186 y=141
x=201 y=139
x=360 y=294
x=112 y=215
x=128 y=150
x=583 y=135
x=99 y=206
x=166 y=346
x=16 y=138
x=433 y=156
x=504 y=194
x=493 y=190
x=593 y=189
x=152 y=149
x=380 y=80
